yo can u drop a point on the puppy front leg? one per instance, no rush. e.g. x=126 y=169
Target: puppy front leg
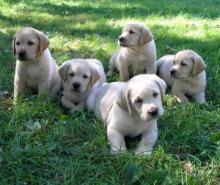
x=200 y=97
x=151 y=68
x=43 y=89
x=123 y=70
x=68 y=104
x=112 y=66
x=147 y=142
x=116 y=141
x=19 y=86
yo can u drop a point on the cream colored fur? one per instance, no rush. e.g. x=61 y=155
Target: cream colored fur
x=80 y=77
x=189 y=76
x=35 y=67
x=130 y=109
x=137 y=54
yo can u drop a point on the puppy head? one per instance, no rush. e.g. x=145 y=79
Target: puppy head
x=29 y=43
x=78 y=75
x=187 y=64
x=134 y=35
x=143 y=96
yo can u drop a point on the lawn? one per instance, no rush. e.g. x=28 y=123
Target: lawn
x=42 y=144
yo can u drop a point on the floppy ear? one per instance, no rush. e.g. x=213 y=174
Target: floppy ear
x=162 y=86
x=124 y=101
x=94 y=76
x=13 y=45
x=198 y=65
x=146 y=36
x=43 y=41
x=63 y=71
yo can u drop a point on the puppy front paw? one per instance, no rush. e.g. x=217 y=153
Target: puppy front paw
x=75 y=109
x=116 y=152
x=140 y=152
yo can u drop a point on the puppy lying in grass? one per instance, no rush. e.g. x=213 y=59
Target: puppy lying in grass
x=130 y=109
x=185 y=73
x=35 y=67
x=80 y=78
x=137 y=54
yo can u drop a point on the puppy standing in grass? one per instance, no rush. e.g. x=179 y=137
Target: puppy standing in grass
x=185 y=73
x=130 y=109
x=80 y=77
x=35 y=67
x=137 y=54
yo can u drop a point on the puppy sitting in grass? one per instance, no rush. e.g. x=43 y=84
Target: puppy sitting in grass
x=80 y=77
x=130 y=109
x=35 y=67
x=185 y=73
x=137 y=54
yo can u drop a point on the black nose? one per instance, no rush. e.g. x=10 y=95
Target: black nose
x=121 y=39
x=153 y=111
x=76 y=85
x=22 y=54
x=172 y=71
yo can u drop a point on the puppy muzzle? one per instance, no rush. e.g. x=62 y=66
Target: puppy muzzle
x=22 y=56
x=76 y=87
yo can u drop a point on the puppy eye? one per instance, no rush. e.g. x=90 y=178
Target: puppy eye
x=18 y=43
x=30 y=43
x=131 y=31
x=155 y=94
x=72 y=74
x=183 y=64
x=139 y=101
x=85 y=76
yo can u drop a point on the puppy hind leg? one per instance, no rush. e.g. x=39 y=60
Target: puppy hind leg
x=116 y=141
x=178 y=94
x=181 y=98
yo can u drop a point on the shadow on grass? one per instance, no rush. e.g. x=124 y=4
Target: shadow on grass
x=7 y=62
x=126 y=8
x=65 y=28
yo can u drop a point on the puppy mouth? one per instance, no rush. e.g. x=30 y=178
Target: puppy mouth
x=178 y=77
x=124 y=44
x=76 y=103
x=23 y=59
x=75 y=90
x=148 y=118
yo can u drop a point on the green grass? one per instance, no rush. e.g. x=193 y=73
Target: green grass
x=42 y=144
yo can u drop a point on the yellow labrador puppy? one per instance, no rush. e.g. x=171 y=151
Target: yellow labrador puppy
x=80 y=77
x=185 y=73
x=130 y=109
x=137 y=54
x=35 y=67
